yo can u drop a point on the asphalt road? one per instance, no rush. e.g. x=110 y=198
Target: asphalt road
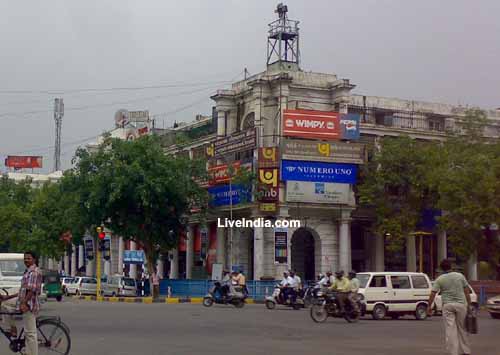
x=132 y=329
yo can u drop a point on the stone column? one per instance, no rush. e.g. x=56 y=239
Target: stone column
x=59 y=266
x=221 y=123
x=81 y=256
x=472 y=267
x=107 y=268
x=133 y=267
x=51 y=264
x=258 y=253
x=221 y=247
x=121 y=247
x=73 y=260
x=442 y=246
x=345 y=241
x=89 y=270
x=174 y=264
x=67 y=268
x=411 y=254
x=379 y=253
x=189 y=252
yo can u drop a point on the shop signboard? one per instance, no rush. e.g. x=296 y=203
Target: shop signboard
x=221 y=195
x=311 y=124
x=318 y=171
x=88 y=243
x=349 y=126
x=216 y=272
x=234 y=143
x=280 y=246
x=221 y=173
x=319 y=192
x=332 y=152
x=133 y=257
x=269 y=157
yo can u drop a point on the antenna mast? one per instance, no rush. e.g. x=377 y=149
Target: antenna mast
x=283 y=40
x=58 y=115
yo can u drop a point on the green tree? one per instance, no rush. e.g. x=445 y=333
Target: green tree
x=394 y=185
x=137 y=192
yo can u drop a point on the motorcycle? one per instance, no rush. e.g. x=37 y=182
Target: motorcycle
x=310 y=294
x=216 y=294
x=277 y=298
x=327 y=305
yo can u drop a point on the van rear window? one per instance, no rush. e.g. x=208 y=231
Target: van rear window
x=419 y=282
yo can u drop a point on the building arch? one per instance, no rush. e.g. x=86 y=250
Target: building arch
x=248 y=121
x=305 y=253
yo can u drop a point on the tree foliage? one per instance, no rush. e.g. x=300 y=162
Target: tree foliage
x=136 y=191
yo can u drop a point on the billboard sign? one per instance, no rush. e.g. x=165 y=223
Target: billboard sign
x=318 y=172
x=133 y=257
x=333 y=152
x=319 y=192
x=221 y=195
x=23 y=162
x=221 y=173
x=280 y=246
x=269 y=157
x=234 y=143
x=311 y=124
x=349 y=126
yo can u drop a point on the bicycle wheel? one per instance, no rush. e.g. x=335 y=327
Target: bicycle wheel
x=53 y=338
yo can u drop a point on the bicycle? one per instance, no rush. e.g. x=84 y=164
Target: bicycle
x=53 y=335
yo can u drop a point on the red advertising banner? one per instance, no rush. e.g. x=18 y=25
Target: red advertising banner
x=23 y=162
x=220 y=174
x=311 y=124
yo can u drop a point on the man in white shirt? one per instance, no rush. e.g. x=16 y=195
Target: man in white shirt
x=295 y=284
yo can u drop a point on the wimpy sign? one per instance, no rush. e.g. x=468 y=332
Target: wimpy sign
x=311 y=124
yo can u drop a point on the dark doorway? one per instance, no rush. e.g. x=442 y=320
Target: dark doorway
x=303 y=256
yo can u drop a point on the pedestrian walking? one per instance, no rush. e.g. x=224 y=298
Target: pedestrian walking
x=155 y=281
x=455 y=295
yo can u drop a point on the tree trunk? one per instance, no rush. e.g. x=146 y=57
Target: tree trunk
x=151 y=258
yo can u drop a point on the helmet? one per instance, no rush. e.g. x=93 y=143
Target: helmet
x=352 y=273
x=339 y=273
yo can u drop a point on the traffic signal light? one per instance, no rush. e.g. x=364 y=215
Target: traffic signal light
x=100 y=233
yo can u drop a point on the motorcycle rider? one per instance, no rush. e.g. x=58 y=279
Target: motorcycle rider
x=343 y=287
x=324 y=281
x=294 y=286
x=284 y=285
x=225 y=289
x=240 y=280
x=354 y=289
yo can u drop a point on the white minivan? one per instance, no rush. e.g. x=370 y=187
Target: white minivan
x=119 y=285
x=395 y=294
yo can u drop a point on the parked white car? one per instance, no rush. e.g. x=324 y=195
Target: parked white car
x=493 y=306
x=82 y=286
x=65 y=281
x=438 y=302
x=395 y=294
x=119 y=286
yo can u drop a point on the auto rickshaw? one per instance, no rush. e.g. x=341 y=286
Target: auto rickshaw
x=52 y=285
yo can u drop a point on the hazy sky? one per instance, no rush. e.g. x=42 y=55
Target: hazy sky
x=442 y=51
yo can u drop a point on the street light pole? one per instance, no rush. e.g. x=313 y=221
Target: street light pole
x=231 y=218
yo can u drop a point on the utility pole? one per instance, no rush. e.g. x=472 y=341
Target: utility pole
x=58 y=115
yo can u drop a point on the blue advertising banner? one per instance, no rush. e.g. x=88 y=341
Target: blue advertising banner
x=133 y=257
x=349 y=126
x=220 y=196
x=318 y=172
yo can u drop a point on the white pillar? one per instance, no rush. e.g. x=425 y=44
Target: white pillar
x=59 y=266
x=67 y=269
x=345 y=242
x=221 y=123
x=81 y=262
x=411 y=254
x=51 y=264
x=472 y=267
x=221 y=247
x=189 y=252
x=133 y=267
x=258 y=253
x=73 y=260
x=89 y=270
x=379 y=253
x=442 y=251
x=174 y=264
x=107 y=268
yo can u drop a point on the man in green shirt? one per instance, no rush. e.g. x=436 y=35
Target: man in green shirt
x=343 y=286
x=455 y=295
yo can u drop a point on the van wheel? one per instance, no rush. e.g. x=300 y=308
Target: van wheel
x=421 y=312
x=379 y=312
